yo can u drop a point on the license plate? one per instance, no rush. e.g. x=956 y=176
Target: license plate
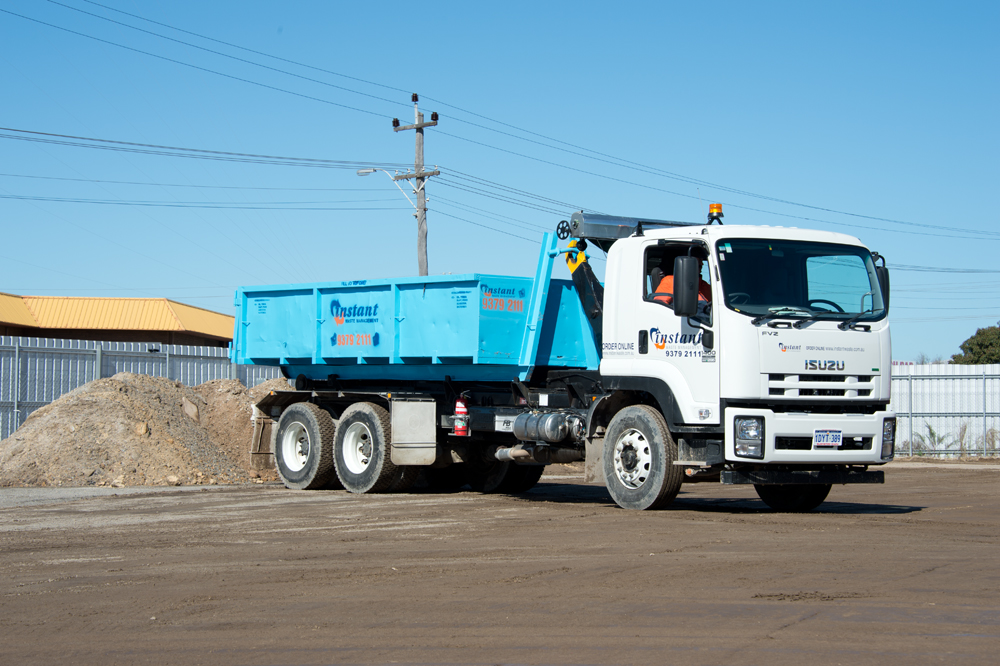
x=503 y=423
x=827 y=438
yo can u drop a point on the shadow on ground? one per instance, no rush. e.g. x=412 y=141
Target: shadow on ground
x=688 y=501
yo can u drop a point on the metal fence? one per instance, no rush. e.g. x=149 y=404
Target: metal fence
x=37 y=371
x=947 y=410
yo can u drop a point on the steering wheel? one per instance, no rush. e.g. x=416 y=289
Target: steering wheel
x=739 y=298
x=823 y=301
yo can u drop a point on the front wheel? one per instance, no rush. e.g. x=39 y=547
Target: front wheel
x=793 y=498
x=638 y=459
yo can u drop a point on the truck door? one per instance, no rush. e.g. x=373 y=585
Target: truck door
x=676 y=353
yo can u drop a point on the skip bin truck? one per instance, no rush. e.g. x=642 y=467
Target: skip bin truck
x=734 y=354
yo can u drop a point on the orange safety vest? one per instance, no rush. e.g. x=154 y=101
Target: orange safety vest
x=665 y=291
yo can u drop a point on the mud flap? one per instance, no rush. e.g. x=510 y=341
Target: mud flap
x=414 y=435
x=261 y=457
x=593 y=466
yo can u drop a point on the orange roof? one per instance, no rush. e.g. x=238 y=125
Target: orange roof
x=130 y=314
x=14 y=312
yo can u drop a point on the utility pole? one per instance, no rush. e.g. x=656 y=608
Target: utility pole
x=421 y=178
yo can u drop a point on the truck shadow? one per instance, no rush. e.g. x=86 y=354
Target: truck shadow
x=688 y=500
x=754 y=505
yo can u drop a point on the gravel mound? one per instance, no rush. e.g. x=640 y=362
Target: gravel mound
x=135 y=430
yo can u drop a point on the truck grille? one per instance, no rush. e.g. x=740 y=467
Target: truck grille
x=820 y=386
x=805 y=444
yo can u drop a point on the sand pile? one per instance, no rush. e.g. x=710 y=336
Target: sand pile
x=133 y=430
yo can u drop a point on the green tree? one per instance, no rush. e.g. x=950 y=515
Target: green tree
x=981 y=348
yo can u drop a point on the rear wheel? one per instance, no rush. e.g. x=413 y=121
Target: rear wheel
x=485 y=476
x=405 y=477
x=520 y=478
x=638 y=459
x=303 y=447
x=793 y=498
x=443 y=479
x=362 y=449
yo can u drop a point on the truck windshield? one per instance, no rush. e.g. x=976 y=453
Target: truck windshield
x=798 y=279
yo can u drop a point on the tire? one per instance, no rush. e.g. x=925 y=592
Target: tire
x=638 y=459
x=406 y=476
x=520 y=478
x=303 y=447
x=487 y=477
x=444 y=479
x=793 y=498
x=361 y=451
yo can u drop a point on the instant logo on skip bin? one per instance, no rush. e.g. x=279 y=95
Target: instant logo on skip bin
x=789 y=348
x=506 y=299
x=353 y=314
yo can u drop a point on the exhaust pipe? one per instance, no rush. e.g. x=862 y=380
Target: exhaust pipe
x=512 y=453
x=544 y=455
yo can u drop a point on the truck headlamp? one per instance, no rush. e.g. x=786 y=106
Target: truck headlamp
x=749 y=436
x=888 y=439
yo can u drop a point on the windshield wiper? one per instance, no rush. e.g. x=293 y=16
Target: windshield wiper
x=825 y=316
x=848 y=323
x=776 y=313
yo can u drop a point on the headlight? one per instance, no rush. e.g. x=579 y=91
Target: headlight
x=888 y=439
x=749 y=436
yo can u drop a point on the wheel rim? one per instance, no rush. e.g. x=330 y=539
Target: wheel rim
x=632 y=458
x=295 y=447
x=358 y=448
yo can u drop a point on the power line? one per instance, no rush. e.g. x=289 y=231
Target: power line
x=619 y=161
x=499 y=231
x=196 y=153
x=472 y=190
x=206 y=187
x=483 y=213
x=249 y=50
x=220 y=53
x=286 y=206
x=595 y=155
x=935 y=269
x=187 y=64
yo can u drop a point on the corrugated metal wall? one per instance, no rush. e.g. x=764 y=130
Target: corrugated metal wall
x=37 y=371
x=947 y=409
x=941 y=409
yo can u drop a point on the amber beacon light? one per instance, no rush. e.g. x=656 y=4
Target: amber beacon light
x=715 y=213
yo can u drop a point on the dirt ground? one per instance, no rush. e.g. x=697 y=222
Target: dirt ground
x=903 y=573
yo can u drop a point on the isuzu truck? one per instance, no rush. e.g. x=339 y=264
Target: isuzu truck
x=734 y=354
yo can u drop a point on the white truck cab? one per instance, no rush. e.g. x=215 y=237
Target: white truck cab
x=768 y=356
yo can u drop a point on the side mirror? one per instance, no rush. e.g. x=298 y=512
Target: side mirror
x=883 y=280
x=686 y=278
x=707 y=338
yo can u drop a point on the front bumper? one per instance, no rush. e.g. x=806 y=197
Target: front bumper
x=794 y=429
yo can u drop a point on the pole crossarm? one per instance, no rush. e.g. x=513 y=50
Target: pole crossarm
x=415 y=126
x=422 y=174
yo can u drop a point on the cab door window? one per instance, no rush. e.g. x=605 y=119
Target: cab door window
x=658 y=269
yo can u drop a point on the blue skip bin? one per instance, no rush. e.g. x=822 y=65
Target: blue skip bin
x=469 y=327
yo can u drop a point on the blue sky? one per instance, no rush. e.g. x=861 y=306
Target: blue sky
x=873 y=119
